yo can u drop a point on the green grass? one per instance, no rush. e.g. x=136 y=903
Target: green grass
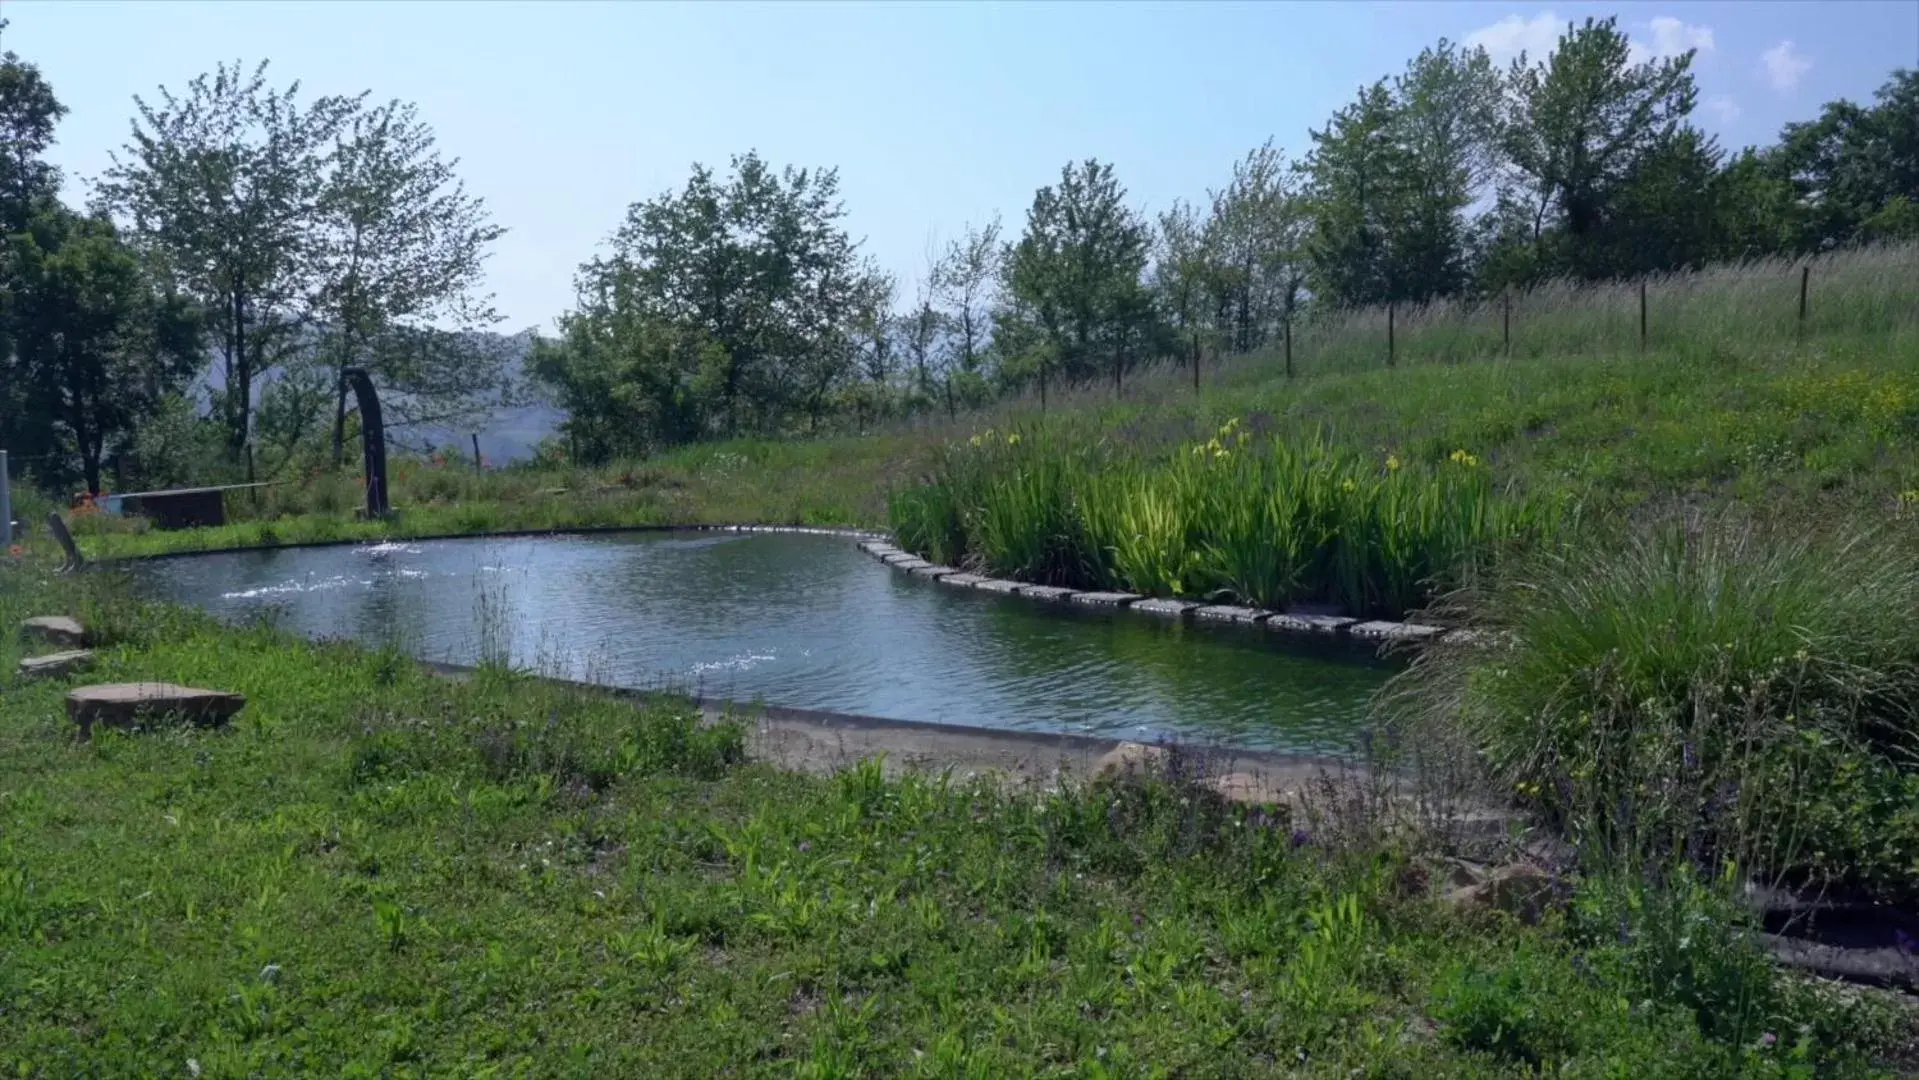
x=1704 y=691
x=380 y=872
x=1730 y=402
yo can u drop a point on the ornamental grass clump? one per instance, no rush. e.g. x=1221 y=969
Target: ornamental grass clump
x=1707 y=692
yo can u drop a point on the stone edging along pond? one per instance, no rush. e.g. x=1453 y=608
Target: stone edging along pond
x=880 y=546
x=1321 y=626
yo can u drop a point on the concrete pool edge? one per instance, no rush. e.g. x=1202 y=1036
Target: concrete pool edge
x=1301 y=626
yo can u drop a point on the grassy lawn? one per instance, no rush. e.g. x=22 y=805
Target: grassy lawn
x=380 y=872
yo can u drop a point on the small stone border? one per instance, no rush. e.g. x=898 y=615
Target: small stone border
x=1300 y=626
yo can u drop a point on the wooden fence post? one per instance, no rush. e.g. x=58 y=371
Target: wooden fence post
x=1642 y=314
x=1805 y=278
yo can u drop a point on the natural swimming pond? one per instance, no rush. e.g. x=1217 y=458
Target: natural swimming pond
x=801 y=621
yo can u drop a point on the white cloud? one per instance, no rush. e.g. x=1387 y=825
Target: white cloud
x=1723 y=108
x=1785 y=65
x=1514 y=34
x=1538 y=36
x=1668 y=37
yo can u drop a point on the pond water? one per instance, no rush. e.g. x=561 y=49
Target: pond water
x=801 y=621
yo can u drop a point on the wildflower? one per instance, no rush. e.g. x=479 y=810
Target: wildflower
x=17 y=552
x=1012 y=438
x=1461 y=457
x=1348 y=485
x=974 y=440
x=1392 y=462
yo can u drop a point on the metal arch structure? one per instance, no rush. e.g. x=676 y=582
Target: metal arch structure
x=372 y=440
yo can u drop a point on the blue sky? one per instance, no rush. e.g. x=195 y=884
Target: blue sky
x=935 y=114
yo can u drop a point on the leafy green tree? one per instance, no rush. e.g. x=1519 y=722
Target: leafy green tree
x=1356 y=167
x=222 y=188
x=1852 y=162
x=1445 y=132
x=965 y=283
x=1578 y=123
x=1182 y=266
x=732 y=304
x=29 y=112
x=399 y=260
x=1256 y=248
x=96 y=345
x=1075 y=275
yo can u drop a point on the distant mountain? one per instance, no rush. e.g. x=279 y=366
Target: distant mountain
x=506 y=434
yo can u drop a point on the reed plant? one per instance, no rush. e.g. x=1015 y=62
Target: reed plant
x=1255 y=520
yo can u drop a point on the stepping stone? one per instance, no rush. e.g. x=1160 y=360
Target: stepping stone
x=54 y=630
x=897 y=555
x=56 y=665
x=124 y=705
x=1105 y=599
x=1171 y=608
x=997 y=585
x=1046 y=592
x=932 y=571
x=1309 y=624
x=963 y=580
x=1393 y=631
x=908 y=564
x=876 y=548
x=1231 y=613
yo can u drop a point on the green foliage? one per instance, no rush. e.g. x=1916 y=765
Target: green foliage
x=351 y=881
x=732 y=306
x=1702 y=692
x=1267 y=522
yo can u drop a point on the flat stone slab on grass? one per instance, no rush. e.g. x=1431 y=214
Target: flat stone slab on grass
x=1231 y=613
x=1173 y=608
x=1393 y=631
x=1310 y=624
x=933 y=571
x=998 y=585
x=55 y=630
x=55 y=665
x=126 y=704
x=1105 y=599
x=1046 y=592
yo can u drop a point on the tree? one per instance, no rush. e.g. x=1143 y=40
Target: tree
x=1578 y=123
x=1852 y=162
x=1076 y=273
x=29 y=113
x=965 y=282
x=1256 y=246
x=734 y=300
x=1181 y=268
x=1356 y=168
x=1444 y=109
x=222 y=188
x=97 y=347
x=399 y=260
